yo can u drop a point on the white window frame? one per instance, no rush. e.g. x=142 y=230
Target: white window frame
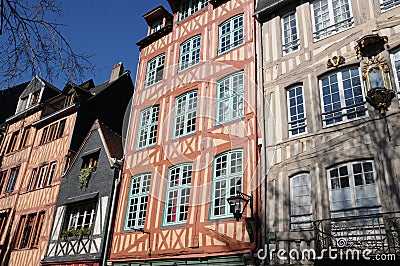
x=154 y=67
x=189 y=53
x=82 y=210
x=177 y=196
x=296 y=123
x=303 y=220
x=156 y=26
x=289 y=43
x=148 y=127
x=135 y=216
x=52 y=171
x=341 y=113
x=395 y=57
x=189 y=7
x=232 y=97
x=333 y=27
x=227 y=183
x=229 y=35
x=42 y=176
x=387 y=5
x=354 y=210
x=185 y=114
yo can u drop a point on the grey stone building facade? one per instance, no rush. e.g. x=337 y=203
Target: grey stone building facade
x=330 y=159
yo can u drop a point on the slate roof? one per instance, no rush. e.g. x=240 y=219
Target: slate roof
x=9 y=100
x=266 y=7
x=113 y=141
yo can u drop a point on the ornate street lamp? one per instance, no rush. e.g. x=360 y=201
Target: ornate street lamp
x=239 y=203
x=375 y=71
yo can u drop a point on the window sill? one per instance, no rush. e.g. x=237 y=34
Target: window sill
x=174 y=225
x=315 y=40
x=184 y=136
x=153 y=84
x=146 y=147
x=230 y=49
x=232 y=121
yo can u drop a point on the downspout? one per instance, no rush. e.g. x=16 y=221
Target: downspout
x=116 y=164
x=263 y=160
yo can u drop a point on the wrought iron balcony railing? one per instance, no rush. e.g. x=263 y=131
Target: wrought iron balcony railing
x=379 y=233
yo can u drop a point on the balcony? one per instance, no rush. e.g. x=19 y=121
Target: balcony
x=378 y=233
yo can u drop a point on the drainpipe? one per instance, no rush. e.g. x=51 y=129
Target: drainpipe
x=119 y=165
x=263 y=160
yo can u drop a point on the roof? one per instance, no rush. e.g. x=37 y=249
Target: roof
x=9 y=100
x=157 y=13
x=266 y=7
x=113 y=141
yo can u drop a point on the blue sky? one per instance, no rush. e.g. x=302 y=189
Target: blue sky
x=108 y=30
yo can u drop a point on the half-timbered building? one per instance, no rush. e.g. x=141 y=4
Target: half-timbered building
x=42 y=139
x=192 y=140
x=81 y=224
x=331 y=160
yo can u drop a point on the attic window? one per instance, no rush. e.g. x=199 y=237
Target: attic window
x=156 y=26
x=69 y=100
x=90 y=161
x=23 y=103
x=190 y=7
x=35 y=98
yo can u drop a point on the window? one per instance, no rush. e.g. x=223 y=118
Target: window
x=90 y=161
x=23 y=104
x=185 y=114
x=3 y=220
x=296 y=112
x=190 y=7
x=331 y=16
x=35 y=98
x=230 y=92
x=29 y=229
x=178 y=194
x=80 y=216
x=24 y=139
x=148 y=127
x=155 y=69
x=69 y=99
x=42 y=176
x=12 y=144
x=389 y=4
x=52 y=171
x=290 y=38
x=395 y=57
x=33 y=180
x=190 y=53
x=156 y=26
x=3 y=177
x=342 y=97
x=137 y=201
x=230 y=34
x=353 y=190
x=227 y=181
x=300 y=202
x=52 y=132
x=12 y=180
x=60 y=129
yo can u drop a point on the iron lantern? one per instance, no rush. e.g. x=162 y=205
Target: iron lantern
x=238 y=204
x=375 y=71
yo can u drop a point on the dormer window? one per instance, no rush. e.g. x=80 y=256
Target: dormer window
x=28 y=101
x=69 y=100
x=90 y=161
x=190 y=7
x=23 y=103
x=156 y=26
x=35 y=98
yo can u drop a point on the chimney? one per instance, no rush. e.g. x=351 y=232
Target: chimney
x=117 y=71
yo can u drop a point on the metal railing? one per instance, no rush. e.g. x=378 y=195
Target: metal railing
x=379 y=233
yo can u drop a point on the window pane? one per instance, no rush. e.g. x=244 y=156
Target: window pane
x=231 y=34
x=185 y=114
x=137 y=201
